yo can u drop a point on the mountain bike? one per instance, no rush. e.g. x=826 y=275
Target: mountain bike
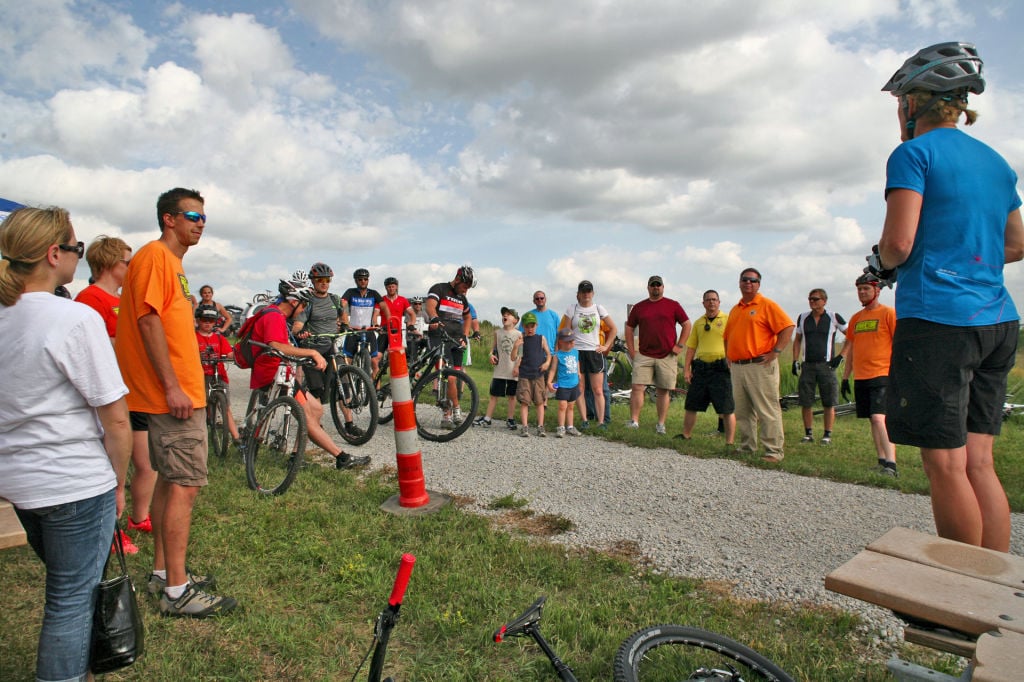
x=436 y=419
x=351 y=395
x=366 y=341
x=655 y=654
x=275 y=429
x=216 y=405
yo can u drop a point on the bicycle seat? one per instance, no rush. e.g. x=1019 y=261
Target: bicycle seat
x=520 y=625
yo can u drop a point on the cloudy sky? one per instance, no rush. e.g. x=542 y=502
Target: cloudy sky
x=541 y=142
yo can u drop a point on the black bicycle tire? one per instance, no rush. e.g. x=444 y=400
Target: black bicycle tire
x=368 y=401
x=631 y=652
x=363 y=360
x=385 y=408
x=468 y=415
x=252 y=446
x=217 y=431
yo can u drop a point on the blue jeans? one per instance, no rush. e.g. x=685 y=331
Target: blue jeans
x=73 y=541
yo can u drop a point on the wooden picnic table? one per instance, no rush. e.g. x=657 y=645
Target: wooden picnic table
x=11 y=532
x=959 y=587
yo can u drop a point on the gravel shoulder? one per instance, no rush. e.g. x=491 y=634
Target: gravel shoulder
x=770 y=534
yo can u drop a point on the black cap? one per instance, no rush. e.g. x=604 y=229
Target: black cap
x=585 y=285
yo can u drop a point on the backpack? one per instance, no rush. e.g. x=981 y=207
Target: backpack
x=243 y=351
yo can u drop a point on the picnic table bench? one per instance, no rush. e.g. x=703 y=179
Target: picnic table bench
x=11 y=532
x=974 y=596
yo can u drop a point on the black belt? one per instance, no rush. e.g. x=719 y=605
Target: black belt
x=759 y=358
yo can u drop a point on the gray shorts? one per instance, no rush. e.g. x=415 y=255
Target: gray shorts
x=821 y=378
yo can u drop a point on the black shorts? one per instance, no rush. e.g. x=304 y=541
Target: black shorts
x=870 y=396
x=454 y=352
x=711 y=384
x=139 y=421
x=948 y=381
x=352 y=340
x=591 y=362
x=503 y=388
x=569 y=395
x=820 y=378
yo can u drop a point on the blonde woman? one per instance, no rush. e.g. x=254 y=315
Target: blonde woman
x=64 y=433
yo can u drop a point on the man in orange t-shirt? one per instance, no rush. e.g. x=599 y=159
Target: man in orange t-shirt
x=159 y=358
x=757 y=332
x=867 y=350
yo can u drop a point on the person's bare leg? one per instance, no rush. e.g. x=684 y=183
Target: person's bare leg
x=175 y=526
x=995 y=509
x=597 y=386
x=661 y=404
x=314 y=411
x=143 y=477
x=730 y=428
x=830 y=417
x=954 y=503
x=689 y=421
x=808 y=417
x=636 y=401
x=883 y=447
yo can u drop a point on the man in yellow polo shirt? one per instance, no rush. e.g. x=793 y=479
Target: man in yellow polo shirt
x=756 y=334
x=706 y=371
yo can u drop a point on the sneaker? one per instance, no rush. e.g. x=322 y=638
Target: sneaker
x=888 y=471
x=585 y=425
x=194 y=603
x=353 y=430
x=560 y=432
x=482 y=421
x=346 y=461
x=826 y=440
x=457 y=417
x=807 y=439
x=126 y=542
x=571 y=430
x=447 y=423
x=603 y=426
x=659 y=429
x=632 y=425
x=155 y=585
x=511 y=424
x=143 y=526
x=524 y=432
x=541 y=433
x=772 y=459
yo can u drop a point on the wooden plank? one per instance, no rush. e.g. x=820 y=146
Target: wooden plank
x=999 y=657
x=943 y=640
x=932 y=594
x=977 y=562
x=11 y=532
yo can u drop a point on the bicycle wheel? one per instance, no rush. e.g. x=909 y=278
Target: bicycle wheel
x=362 y=359
x=274 y=450
x=217 y=423
x=673 y=652
x=352 y=388
x=385 y=411
x=434 y=410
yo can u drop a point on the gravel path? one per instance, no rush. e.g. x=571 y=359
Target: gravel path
x=772 y=535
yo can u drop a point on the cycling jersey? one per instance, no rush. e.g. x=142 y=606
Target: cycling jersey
x=451 y=308
x=361 y=305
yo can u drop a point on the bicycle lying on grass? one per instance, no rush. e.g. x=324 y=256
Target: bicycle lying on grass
x=655 y=654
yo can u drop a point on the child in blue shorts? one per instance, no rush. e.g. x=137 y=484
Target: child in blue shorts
x=564 y=380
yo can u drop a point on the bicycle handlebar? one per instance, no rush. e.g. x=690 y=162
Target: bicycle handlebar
x=401 y=580
x=270 y=350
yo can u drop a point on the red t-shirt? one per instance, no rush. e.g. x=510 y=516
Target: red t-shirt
x=657 y=321
x=269 y=326
x=104 y=303
x=219 y=346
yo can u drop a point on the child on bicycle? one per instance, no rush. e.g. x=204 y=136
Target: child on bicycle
x=531 y=358
x=212 y=343
x=564 y=381
x=503 y=383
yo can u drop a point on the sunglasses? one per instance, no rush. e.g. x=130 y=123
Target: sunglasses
x=707 y=326
x=815 y=298
x=655 y=284
x=191 y=216
x=77 y=249
x=321 y=280
x=752 y=280
x=538 y=298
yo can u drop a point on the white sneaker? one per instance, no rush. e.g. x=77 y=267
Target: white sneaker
x=571 y=431
x=560 y=432
x=457 y=417
x=541 y=433
x=524 y=432
x=632 y=425
x=447 y=423
x=660 y=429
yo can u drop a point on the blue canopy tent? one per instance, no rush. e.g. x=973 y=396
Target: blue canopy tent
x=6 y=206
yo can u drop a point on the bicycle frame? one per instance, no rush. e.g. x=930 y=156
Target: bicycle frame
x=387 y=620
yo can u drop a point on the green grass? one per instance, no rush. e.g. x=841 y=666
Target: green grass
x=312 y=569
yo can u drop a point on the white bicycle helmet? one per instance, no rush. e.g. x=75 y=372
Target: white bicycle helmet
x=945 y=67
x=295 y=290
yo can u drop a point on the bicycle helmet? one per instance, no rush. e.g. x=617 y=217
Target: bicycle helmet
x=868 y=278
x=361 y=272
x=415 y=300
x=391 y=280
x=206 y=312
x=320 y=270
x=294 y=290
x=945 y=67
x=465 y=275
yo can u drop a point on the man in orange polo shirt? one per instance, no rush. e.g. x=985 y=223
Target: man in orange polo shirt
x=159 y=358
x=756 y=334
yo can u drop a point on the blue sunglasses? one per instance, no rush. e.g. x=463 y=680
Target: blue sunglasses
x=191 y=216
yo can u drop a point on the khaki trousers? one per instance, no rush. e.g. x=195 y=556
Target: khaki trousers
x=755 y=388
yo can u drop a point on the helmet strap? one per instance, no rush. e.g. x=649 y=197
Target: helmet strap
x=912 y=120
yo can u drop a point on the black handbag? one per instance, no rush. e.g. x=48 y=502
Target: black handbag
x=117 y=632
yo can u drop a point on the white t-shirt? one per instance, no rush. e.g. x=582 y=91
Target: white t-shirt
x=58 y=366
x=586 y=324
